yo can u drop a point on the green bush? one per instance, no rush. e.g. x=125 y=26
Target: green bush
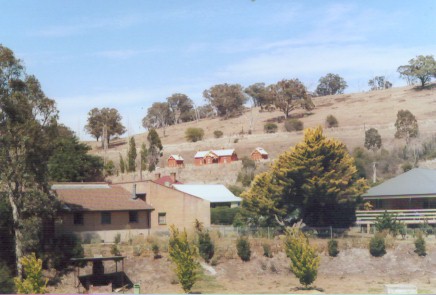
x=377 y=246
x=205 y=246
x=267 y=250
x=243 y=248
x=294 y=125
x=117 y=238
x=223 y=215
x=33 y=281
x=388 y=222
x=155 y=250
x=270 y=128
x=331 y=121
x=333 y=248
x=420 y=246
x=218 y=133
x=6 y=280
x=248 y=163
x=66 y=246
x=115 y=250
x=193 y=134
x=406 y=166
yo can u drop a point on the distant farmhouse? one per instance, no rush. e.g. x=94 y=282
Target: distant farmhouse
x=259 y=154
x=175 y=161
x=411 y=196
x=215 y=157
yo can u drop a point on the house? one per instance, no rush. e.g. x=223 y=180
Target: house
x=411 y=196
x=216 y=194
x=215 y=157
x=171 y=206
x=175 y=161
x=99 y=211
x=259 y=154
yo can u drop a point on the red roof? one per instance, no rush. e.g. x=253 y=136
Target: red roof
x=165 y=180
x=100 y=199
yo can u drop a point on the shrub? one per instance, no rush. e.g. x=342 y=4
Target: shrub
x=66 y=246
x=6 y=281
x=193 y=134
x=267 y=250
x=333 y=248
x=248 y=163
x=331 y=121
x=377 y=246
x=115 y=250
x=243 y=248
x=205 y=246
x=388 y=222
x=304 y=260
x=33 y=283
x=117 y=238
x=270 y=128
x=420 y=245
x=183 y=254
x=294 y=125
x=218 y=133
x=155 y=249
x=406 y=166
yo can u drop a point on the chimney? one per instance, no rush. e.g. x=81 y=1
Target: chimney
x=173 y=176
x=134 y=191
x=156 y=176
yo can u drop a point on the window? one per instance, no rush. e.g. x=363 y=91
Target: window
x=105 y=218
x=78 y=218
x=133 y=216
x=162 y=218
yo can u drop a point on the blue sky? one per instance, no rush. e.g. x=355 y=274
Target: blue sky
x=129 y=54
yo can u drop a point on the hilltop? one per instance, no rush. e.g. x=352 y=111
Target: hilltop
x=355 y=113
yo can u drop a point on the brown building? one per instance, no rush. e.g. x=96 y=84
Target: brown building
x=98 y=211
x=215 y=157
x=175 y=161
x=259 y=154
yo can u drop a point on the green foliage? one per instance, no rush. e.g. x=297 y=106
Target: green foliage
x=33 y=282
x=227 y=99
x=236 y=189
x=421 y=68
x=154 y=150
x=333 y=248
x=377 y=246
x=108 y=118
x=205 y=246
x=193 y=134
x=109 y=168
x=406 y=166
x=117 y=238
x=372 y=139
x=270 y=128
x=379 y=83
x=181 y=108
x=218 y=133
x=331 y=121
x=243 y=248
x=420 y=246
x=122 y=164
x=406 y=125
x=294 y=125
x=316 y=181
x=115 y=250
x=388 y=222
x=248 y=163
x=260 y=95
x=65 y=247
x=183 y=254
x=267 y=250
x=155 y=250
x=304 y=260
x=6 y=280
x=289 y=95
x=245 y=177
x=71 y=162
x=131 y=155
x=223 y=215
x=331 y=84
x=143 y=154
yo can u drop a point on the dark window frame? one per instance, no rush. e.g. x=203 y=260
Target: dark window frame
x=78 y=218
x=133 y=216
x=106 y=218
x=162 y=221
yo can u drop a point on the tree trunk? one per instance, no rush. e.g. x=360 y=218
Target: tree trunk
x=374 y=175
x=18 y=235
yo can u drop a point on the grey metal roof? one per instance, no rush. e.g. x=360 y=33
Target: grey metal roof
x=417 y=181
x=214 y=193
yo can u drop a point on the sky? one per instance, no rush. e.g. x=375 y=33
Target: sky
x=128 y=54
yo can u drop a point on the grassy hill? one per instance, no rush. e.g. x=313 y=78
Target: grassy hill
x=355 y=113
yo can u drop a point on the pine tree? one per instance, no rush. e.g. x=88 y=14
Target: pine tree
x=131 y=155
x=154 y=150
x=143 y=155
x=33 y=282
x=304 y=260
x=122 y=164
x=183 y=254
x=315 y=180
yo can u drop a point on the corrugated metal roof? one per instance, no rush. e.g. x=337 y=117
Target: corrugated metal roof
x=214 y=193
x=78 y=185
x=417 y=181
x=261 y=151
x=176 y=157
x=219 y=153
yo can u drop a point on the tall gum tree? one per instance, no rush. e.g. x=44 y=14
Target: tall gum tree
x=27 y=128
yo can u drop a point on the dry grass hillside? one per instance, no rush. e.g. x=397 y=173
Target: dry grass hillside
x=355 y=112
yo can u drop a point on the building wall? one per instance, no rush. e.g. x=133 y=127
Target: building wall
x=93 y=228
x=256 y=156
x=404 y=204
x=181 y=209
x=198 y=161
x=171 y=162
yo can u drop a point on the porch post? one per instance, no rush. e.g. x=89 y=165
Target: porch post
x=368 y=228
